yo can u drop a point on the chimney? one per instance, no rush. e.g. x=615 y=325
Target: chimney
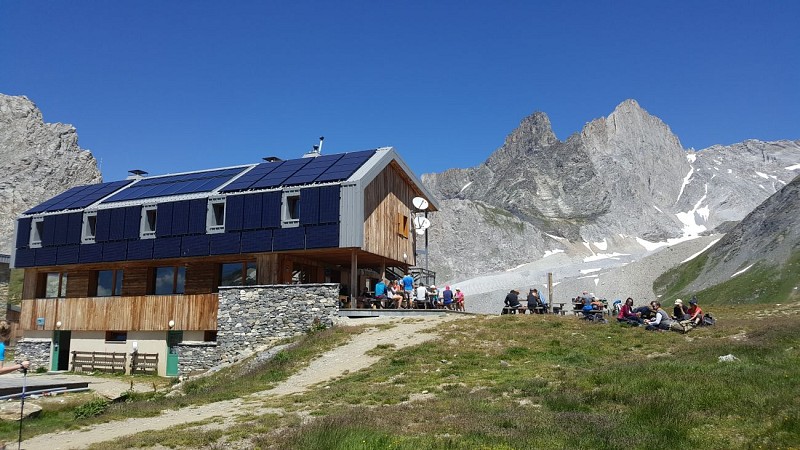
x=316 y=150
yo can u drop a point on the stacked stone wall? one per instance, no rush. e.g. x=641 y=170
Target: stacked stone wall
x=37 y=351
x=253 y=317
x=195 y=357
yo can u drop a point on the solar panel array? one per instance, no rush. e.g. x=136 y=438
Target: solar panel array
x=326 y=168
x=78 y=197
x=188 y=183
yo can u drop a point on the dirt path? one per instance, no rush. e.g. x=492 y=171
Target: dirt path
x=350 y=357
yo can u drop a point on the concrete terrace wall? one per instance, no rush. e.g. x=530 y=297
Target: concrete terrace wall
x=253 y=317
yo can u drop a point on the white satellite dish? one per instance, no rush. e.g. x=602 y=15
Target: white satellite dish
x=421 y=223
x=420 y=203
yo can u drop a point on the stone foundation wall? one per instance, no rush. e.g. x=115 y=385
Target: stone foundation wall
x=250 y=318
x=195 y=357
x=37 y=351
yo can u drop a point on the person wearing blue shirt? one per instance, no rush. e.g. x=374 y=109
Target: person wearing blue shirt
x=408 y=289
x=380 y=292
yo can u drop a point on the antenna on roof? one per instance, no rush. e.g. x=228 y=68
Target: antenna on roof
x=136 y=174
x=316 y=150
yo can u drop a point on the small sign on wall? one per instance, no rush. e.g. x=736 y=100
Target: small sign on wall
x=40 y=323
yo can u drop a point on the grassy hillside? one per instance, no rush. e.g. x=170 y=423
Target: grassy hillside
x=762 y=283
x=520 y=382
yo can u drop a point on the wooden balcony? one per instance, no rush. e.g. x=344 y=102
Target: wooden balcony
x=131 y=313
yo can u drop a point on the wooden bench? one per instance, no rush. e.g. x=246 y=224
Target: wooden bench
x=99 y=361
x=144 y=363
x=513 y=310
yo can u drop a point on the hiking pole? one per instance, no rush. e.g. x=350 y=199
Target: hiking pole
x=22 y=405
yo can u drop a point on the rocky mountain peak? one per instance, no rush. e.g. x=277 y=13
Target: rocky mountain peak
x=38 y=160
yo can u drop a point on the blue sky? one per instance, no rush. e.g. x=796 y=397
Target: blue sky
x=175 y=86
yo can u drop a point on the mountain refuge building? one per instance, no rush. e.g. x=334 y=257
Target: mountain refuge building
x=180 y=272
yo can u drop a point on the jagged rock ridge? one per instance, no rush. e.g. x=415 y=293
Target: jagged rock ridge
x=620 y=182
x=38 y=160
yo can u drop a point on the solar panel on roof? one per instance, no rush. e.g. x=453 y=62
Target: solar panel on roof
x=295 y=172
x=78 y=197
x=312 y=170
x=188 y=183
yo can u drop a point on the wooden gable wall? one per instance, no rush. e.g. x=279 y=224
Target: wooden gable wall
x=387 y=201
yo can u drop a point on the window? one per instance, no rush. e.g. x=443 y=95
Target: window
x=55 y=285
x=210 y=336
x=238 y=274
x=109 y=283
x=37 y=231
x=89 y=227
x=215 y=218
x=290 y=214
x=170 y=280
x=116 y=336
x=147 y=227
x=402 y=225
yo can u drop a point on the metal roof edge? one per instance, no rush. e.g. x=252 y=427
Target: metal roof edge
x=383 y=157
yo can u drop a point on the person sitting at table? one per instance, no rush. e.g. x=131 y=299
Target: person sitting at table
x=447 y=298
x=597 y=304
x=511 y=302
x=380 y=294
x=626 y=314
x=395 y=295
x=433 y=296
x=421 y=300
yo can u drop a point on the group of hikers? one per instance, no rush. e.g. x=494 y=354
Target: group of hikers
x=415 y=295
x=536 y=302
x=654 y=317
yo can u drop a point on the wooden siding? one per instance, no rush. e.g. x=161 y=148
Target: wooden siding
x=201 y=277
x=136 y=280
x=386 y=197
x=132 y=313
x=81 y=283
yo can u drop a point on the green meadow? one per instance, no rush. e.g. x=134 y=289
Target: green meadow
x=508 y=382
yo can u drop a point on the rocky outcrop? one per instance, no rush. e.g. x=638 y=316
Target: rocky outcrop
x=768 y=236
x=38 y=160
x=620 y=183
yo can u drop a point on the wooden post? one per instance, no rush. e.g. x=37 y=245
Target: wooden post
x=353 y=278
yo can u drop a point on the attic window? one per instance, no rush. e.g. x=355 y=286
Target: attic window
x=290 y=215
x=37 y=231
x=89 y=227
x=215 y=217
x=147 y=228
x=402 y=225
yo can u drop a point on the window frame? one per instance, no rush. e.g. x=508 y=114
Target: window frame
x=89 y=227
x=244 y=266
x=213 y=222
x=176 y=270
x=146 y=231
x=290 y=203
x=61 y=288
x=37 y=232
x=117 y=278
x=115 y=335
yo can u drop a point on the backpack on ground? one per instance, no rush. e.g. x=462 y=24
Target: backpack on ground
x=708 y=320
